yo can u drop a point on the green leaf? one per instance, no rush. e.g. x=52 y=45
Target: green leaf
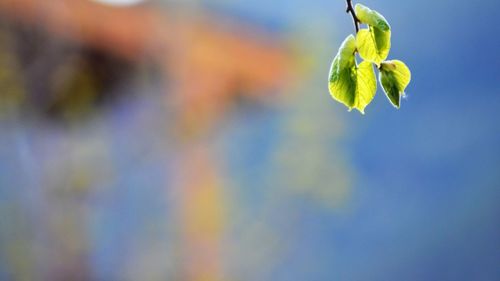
x=394 y=77
x=351 y=84
x=346 y=52
x=371 y=17
x=373 y=43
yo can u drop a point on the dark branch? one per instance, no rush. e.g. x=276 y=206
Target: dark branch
x=350 y=9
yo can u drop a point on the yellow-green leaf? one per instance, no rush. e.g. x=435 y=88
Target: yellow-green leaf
x=366 y=86
x=373 y=44
x=371 y=17
x=394 y=77
x=351 y=84
x=346 y=52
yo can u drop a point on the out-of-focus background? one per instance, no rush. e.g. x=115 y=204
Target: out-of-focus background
x=196 y=140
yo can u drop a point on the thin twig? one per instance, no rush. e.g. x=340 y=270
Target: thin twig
x=350 y=9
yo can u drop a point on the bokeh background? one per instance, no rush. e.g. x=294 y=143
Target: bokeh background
x=196 y=140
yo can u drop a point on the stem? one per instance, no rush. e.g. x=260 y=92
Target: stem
x=350 y=9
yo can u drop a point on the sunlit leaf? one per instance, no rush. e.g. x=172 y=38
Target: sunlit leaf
x=394 y=77
x=346 y=52
x=371 y=17
x=373 y=44
x=351 y=84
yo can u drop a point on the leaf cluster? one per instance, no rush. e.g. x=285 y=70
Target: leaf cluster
x=355 y=84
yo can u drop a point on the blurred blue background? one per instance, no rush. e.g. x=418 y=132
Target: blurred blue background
x=298 y=188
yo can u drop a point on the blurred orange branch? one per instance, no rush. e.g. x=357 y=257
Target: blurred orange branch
x=206 y=62
x=125 y=31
